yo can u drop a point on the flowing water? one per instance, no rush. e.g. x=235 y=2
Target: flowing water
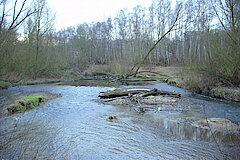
x=75 y=126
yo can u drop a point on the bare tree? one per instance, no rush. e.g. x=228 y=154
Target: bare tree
x=134 y=70
x=11 y=17
x=18 y=15
x=230 y=11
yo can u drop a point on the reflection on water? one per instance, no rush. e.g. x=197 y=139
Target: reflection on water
x=75 y=126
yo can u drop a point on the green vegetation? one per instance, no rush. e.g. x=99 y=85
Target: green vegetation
x=205 y=44
x=25 y=103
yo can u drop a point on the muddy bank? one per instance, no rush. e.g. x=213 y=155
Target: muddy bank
x=226 y=93
x=178 y=76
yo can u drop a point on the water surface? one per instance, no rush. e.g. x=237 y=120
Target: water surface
x=76 y=126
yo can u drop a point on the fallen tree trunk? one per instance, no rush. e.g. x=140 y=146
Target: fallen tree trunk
x=142 y=93
x=120 y=93
x=155 y=92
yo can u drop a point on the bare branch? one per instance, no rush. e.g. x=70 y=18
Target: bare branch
x=3 y=13
x=12 y=26
x=27 y=15
x=218 y=16
x=2 y=1
x=138 y=65
x=14 y=9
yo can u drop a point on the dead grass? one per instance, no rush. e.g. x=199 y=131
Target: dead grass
x=168 y=71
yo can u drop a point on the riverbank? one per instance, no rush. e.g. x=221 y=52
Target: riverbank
x=184 y=78
x=12 y=79
x=176 y=76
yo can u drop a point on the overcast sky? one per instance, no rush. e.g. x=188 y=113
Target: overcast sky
x=73 y=12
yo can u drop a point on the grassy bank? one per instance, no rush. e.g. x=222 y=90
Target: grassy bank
x=12 y=79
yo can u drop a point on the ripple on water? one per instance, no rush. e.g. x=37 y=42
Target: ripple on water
x=74 y=126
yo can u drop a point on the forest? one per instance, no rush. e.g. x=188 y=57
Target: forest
x=202 y=36
x=151 y=82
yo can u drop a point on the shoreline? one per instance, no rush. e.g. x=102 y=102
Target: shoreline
x=170 y=75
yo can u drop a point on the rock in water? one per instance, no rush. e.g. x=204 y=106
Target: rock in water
x=111 y=117
x=221 y=124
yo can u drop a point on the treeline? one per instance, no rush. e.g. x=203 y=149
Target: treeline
x=207 y=35
x=27 y=39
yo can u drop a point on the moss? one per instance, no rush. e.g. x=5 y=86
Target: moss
x=25 y=103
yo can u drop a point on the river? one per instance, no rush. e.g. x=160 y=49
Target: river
x=75 y=126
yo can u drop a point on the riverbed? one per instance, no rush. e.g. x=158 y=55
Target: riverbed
x=76 y=126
